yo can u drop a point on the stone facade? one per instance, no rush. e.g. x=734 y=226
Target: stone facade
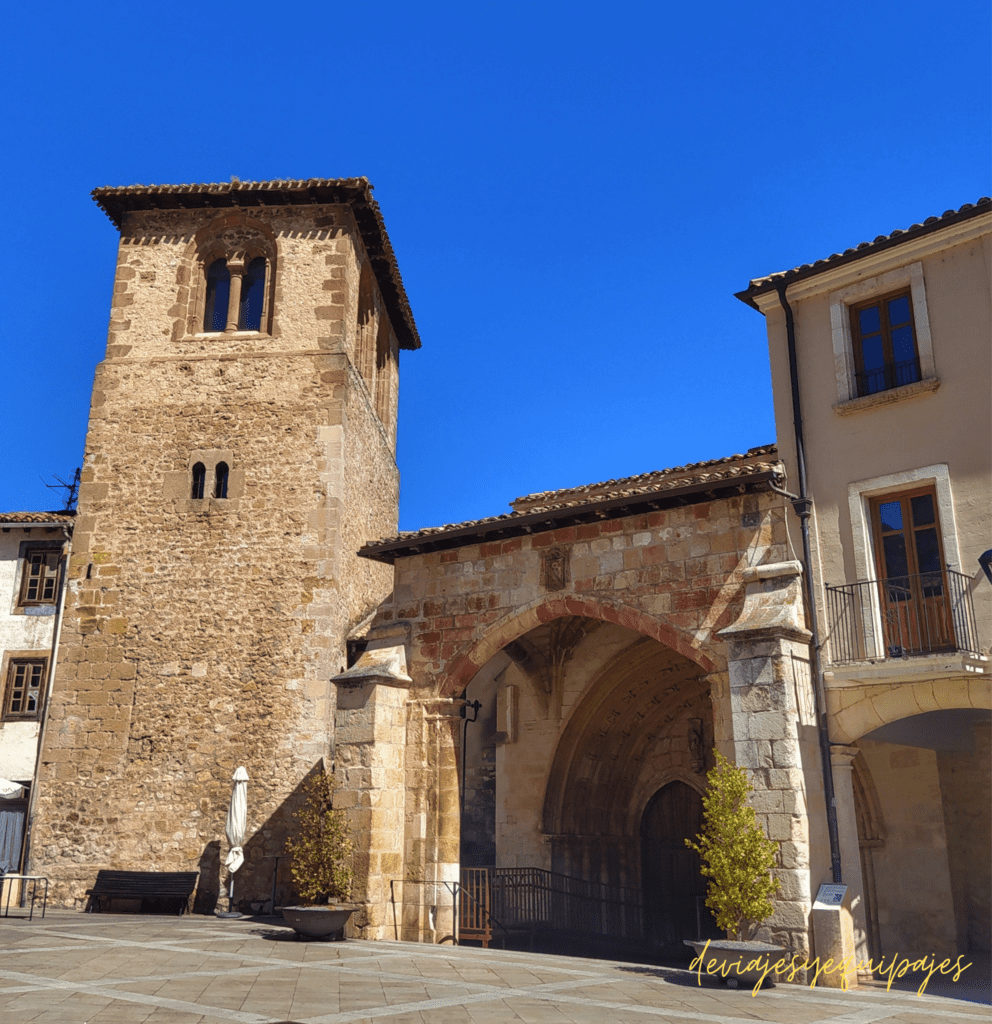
x=200 y=631
x=593 y=630
x=240 y=466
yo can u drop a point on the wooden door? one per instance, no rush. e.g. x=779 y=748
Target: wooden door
x=913 y=583
x=672 y=883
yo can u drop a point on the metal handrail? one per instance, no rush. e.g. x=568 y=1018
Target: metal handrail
x=535 y=897
x=455 y=888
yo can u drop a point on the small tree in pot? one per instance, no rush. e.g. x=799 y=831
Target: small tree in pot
x=737 y=858
x=321 y=862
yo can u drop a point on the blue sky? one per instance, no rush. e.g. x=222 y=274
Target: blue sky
x=574 y=191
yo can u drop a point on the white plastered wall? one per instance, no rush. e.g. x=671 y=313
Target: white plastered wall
x=19 y=632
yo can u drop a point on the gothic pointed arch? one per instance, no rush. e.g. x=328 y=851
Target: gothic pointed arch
x=467 y=662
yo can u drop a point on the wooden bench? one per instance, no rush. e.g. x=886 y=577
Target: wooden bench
x=146 y=886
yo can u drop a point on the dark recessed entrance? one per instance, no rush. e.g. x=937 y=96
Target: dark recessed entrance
x=674 y=890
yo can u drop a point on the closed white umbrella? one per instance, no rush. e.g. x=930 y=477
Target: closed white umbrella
x=236 y=827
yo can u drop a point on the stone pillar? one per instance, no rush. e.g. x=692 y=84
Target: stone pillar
x=723 y=728
x=433 y=856
x=236 y=269
x=765 y=722
x=370 y=774
x=842 y=758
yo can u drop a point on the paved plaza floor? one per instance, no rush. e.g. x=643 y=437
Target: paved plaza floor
x=71 y=968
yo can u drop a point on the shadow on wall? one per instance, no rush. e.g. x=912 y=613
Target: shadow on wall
x=253 y=883
x=208 y=884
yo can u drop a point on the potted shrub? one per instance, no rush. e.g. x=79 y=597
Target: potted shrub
x=737 y=858
x=321 y=863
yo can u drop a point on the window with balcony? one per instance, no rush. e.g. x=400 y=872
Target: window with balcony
x=883 y=351
x=884 y=337
x=914 y=604
x=914 y=581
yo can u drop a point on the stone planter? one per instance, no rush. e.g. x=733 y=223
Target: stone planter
x=724 y=953
x=318 y=922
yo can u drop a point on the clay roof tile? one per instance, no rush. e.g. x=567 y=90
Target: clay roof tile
x=762 y=285
x=118 y=201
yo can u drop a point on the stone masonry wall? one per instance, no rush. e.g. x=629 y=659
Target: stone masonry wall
x=201 y=634
x=673 y=575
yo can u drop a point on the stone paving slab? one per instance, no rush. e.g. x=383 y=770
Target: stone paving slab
x=71 y=968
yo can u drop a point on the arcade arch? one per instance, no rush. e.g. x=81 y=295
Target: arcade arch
x=590 y=736
x=922 y=799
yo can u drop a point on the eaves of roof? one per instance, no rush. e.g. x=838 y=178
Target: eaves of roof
x=587 y=491
x=117 y=202
x=763 y=285
x=36 y=518
x=683 y=485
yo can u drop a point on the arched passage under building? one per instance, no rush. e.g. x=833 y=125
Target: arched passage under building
x=922 y=798
x=583 y=777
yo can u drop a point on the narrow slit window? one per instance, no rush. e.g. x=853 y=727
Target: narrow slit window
x=199 y=478
x=220 y=484
x=218 y=296
x=252 y=296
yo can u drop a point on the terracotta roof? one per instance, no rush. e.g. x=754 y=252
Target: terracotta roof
x=628 y=484
x=116 y=202
x=40 y=518
x=762 y=285
x=612 y=499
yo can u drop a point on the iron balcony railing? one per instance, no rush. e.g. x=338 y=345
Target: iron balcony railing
x=929 y=613
x=885 y=378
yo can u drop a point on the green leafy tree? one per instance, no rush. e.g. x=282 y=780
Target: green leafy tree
x=737 y=856
x=322 y=848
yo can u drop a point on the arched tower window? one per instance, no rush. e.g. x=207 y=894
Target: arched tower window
x=252 y=296
x=218 y=296
x=220 y=481
x=234 y=267
x=199 y=478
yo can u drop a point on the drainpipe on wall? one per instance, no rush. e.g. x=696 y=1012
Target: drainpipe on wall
x=802 y=504
x=56 y=634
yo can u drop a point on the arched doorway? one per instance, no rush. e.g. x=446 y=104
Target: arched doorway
x=674 y=890
x=582 y=723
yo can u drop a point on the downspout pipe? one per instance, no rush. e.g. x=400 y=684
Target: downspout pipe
x=802 y=504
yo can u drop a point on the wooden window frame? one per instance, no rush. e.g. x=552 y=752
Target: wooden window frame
x=23 y=600
x=916 y=605
x=12 y=662
x=889 y=363
x=875 y=504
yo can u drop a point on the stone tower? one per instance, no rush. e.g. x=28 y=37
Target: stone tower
x=240 y=450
